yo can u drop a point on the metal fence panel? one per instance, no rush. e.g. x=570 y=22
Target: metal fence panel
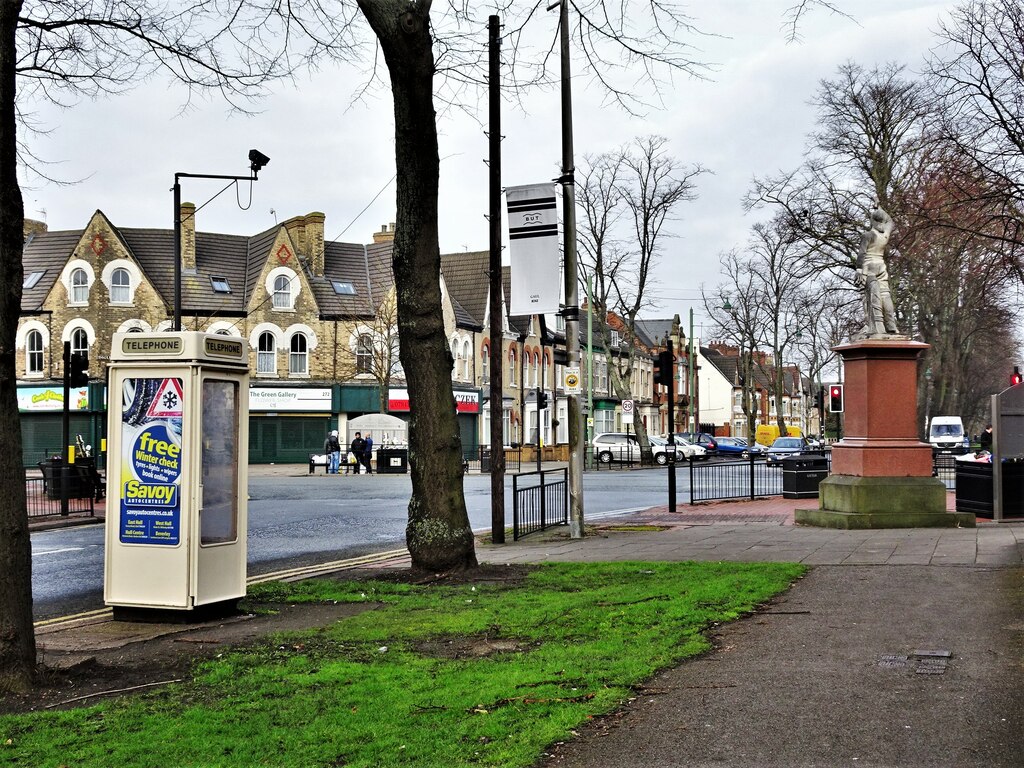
x=540 y=500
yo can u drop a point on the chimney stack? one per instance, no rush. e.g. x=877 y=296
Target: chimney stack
x=315 y=242
x=188 y=237
x=385 y=233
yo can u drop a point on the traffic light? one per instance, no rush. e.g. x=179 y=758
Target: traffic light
x=664 y=371
x=542 y=400
x=835 y=398
x=78 y=369
x=1016 y=378
x=819 y=400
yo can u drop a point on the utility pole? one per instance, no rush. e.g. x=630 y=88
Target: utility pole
x=494 y=352
x=572 y=292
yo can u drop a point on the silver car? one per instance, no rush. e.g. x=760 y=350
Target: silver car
x=618 y=446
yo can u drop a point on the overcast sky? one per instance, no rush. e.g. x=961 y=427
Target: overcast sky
x=750 y=118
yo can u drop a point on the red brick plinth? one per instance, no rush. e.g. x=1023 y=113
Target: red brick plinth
x=881 y=411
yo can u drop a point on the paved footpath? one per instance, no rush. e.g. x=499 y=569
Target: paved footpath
x=898 y=648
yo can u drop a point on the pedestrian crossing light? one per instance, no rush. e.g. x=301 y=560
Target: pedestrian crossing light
x=78 y=369
x=664 y=372
x=542 y=400
x=835 y=398
x=1016 y=378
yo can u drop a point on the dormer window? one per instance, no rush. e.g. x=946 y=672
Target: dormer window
x=219 y=284
x=343 y=289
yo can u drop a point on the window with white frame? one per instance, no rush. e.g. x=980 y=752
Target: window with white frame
x=604 y=421
x=282 y=292
x=79 y=286
x=536 y=369
x=364 y=353
x=79 y=341
x=512 y=367
x=266 y=353
x=614 y=338
x=298 y=355
x=506 y=426
x=120 y=286
x=34 y=353
x=485 y=363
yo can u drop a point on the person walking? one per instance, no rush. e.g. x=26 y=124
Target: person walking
x=985 y=441
x=368 y=453
x=356 y=449
x=332 y=448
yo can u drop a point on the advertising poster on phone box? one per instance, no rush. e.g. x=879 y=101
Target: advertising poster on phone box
x=151 y=461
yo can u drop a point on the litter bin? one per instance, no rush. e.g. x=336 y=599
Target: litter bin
x=392 y=461
x=974 y=488
x=78 y=476
x=485 y=460
x=801 y=475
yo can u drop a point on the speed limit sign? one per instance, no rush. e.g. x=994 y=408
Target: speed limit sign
x=627 y=411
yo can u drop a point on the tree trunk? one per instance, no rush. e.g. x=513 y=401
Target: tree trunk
x=438 y=534
x=17 y=636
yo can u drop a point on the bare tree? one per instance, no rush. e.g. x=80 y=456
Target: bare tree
x=627 y=198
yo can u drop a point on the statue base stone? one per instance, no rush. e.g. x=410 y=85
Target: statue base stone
x=883 y=473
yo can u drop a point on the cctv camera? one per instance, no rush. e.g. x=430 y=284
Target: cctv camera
x=257 y=160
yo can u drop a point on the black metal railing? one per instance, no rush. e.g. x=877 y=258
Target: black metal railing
x=43 y=498
x=480 y=460
x=745 y=479
x=538 y=502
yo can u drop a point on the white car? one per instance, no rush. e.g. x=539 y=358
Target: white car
x=689 y=450
x=618 y=446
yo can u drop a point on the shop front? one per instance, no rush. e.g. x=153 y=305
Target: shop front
x=467 y=407
x=287 y=424
x=41 y=409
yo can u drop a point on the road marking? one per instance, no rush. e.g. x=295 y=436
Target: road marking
x=58 y=551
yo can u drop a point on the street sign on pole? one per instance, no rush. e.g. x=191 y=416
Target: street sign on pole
x=572 y=381
x=627 y=411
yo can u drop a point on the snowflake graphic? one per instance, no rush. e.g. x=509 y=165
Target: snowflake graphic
x=170 y=400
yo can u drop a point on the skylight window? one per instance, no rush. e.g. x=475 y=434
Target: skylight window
x=220 y=284
x=32 y=279
x=343 y=289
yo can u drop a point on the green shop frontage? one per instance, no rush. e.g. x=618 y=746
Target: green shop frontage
x=42 y=420
x=286 y=424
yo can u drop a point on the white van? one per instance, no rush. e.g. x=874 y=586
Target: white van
x=946 y=435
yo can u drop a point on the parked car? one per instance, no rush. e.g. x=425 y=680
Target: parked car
x=736 y=446
x=618 y=446
x=687 y=449
x=784 y=447
x=708 y=442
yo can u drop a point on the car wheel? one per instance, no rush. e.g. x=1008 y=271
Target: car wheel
x=661 y=459
x=605 y=457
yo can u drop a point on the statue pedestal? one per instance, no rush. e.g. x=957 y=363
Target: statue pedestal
x=881 y=473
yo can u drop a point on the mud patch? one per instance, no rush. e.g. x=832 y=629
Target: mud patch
x=472 y=646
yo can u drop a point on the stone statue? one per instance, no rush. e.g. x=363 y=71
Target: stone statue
x=873 y=277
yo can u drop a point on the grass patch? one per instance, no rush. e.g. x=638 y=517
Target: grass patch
x=384 y=689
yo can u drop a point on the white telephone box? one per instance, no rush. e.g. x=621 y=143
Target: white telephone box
x=177 y=471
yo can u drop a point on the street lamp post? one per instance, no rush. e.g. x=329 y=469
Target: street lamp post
x=256 y=161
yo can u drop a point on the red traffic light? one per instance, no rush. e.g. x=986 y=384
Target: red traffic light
x=1016 y=378
x=835 y=398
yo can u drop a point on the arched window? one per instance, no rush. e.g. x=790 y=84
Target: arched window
x=467 y=358
x=79 y=341
x=536 y=369
x=485 y=362
x=79 y=286
x=34 y=352
x=455 y=358
x=282 y=292
x=298 y=357
x=120 y=286
x=512 y=367
x=364 y=353
x=266 y=355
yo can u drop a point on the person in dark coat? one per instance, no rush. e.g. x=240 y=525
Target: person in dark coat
x=368 y=453
x=356 y=448
x=986 y=439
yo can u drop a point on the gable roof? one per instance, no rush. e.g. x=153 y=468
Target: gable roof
x=45 y=252
x=239 y=259
x=467 y=278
